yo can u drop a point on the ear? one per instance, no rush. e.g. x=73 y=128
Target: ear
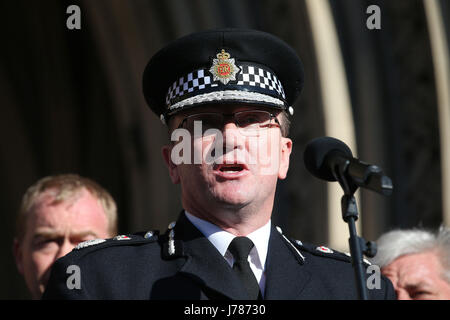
x=18 y=254
x=173 y=168
x=286 y=149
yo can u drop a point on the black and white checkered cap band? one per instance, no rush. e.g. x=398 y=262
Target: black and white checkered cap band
x=253 y=83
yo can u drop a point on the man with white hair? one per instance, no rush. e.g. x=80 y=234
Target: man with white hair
x=417 y=262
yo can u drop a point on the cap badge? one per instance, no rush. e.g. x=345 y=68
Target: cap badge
x=223 y=68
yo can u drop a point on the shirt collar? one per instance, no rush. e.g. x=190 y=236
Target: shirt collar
x=221 y=239
x=260 y=238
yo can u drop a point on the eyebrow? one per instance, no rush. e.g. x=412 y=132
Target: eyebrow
x=54 y=234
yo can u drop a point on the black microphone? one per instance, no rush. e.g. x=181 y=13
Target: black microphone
x=328 y=159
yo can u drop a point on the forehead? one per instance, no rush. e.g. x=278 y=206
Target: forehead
x=414 y=267
x=80 y=207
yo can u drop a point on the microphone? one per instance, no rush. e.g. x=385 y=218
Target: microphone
x=328 y=159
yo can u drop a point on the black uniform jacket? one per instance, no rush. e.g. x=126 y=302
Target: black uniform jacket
x=191 y=268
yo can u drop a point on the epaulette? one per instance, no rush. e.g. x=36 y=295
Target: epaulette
x=324 y=251
x=321 y=251
x=300 y=257
x=130 y=239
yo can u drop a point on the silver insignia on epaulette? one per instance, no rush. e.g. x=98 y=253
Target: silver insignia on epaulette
x=171 y=238
x=172 y=225
x=287 y=240
x=364 y=259
x=122 y=237
x=324 y=249
x=88 y=243
x=149 y=234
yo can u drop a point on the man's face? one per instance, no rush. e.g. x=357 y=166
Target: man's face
x=52 y=231
x=418 y=277
x=236 y=169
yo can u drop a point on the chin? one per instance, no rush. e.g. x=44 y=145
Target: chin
x=233 y=197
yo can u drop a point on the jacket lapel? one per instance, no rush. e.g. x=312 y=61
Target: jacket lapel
x=285 y=276
x=205 y=264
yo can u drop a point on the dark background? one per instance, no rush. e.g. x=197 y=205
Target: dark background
x=71 y=101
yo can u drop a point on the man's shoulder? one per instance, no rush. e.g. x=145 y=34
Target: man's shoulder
x=325 y=255
x=307 y=251
x=125 y=243
x=321 y=251
x=336 y=268
x=118 y=264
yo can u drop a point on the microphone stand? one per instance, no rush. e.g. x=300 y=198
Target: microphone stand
x=357 y=244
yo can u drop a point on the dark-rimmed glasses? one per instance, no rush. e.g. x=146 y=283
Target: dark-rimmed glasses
x=249 y=123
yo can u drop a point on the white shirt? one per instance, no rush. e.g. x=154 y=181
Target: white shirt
x=221 y=239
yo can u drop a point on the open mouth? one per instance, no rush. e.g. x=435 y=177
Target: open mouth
x=230 y=168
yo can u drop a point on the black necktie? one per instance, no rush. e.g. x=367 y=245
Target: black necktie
x=240 y=248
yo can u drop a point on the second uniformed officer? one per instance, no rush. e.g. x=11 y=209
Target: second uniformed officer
x=227 y=96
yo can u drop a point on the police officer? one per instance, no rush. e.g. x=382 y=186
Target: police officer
x=226 y=97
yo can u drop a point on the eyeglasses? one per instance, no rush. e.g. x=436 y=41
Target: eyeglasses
x=249 y=123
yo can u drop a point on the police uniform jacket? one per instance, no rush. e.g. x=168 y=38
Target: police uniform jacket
x=182 y=264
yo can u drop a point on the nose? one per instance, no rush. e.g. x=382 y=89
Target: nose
x=229 y=124
x=232 y=138
x=229 y=127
